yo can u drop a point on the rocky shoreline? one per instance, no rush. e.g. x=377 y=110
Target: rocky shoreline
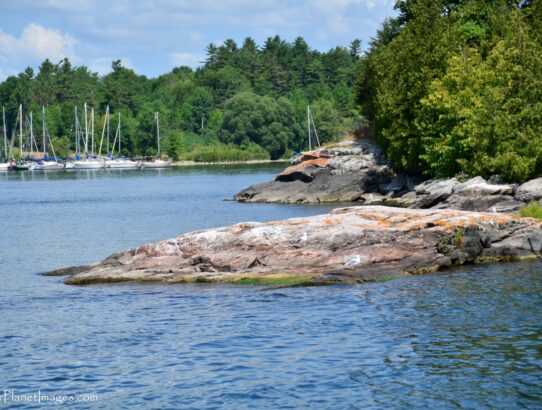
x=348 y=245
x=407 y=225
x=359 y=173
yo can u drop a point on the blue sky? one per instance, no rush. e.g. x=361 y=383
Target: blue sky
x=153 y=36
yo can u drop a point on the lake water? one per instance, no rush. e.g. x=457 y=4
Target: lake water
x=466 y=339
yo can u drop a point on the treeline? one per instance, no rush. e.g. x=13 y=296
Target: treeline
x=456 y=86
x=248 y=98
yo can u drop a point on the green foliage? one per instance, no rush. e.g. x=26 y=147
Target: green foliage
x=266 y=121
x=226 y=153
x=532 y=210
x=281 y=78
x=456 y=86
x=62 y=146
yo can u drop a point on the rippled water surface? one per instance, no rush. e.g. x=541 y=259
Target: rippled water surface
x=470 y=338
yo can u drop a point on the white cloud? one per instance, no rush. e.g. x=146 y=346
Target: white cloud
x=188 y=59
x=37 y=43
x=149 y=30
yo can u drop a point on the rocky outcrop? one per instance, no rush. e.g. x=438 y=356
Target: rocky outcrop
x=475 y=194
x=358 y=172
x=347 y=245
x=345 y=177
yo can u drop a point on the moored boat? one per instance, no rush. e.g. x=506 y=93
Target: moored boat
x=157 y=162
x=122 y=163
x=91 y=163
x=46 y=166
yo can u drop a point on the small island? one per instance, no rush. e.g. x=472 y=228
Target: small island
x=348 y=245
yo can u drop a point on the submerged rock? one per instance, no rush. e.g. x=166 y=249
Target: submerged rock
x=347 y=245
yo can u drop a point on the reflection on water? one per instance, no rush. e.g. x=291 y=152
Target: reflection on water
x=470 y=338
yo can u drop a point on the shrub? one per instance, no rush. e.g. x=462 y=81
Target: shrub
x=532 y=210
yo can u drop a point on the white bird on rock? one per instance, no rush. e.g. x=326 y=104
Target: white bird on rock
x=301 y=240
x=356 y=260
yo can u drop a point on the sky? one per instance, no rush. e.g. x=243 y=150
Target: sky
x=154 y=36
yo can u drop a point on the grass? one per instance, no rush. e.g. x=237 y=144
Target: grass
x=218 y=152
x=532 y=210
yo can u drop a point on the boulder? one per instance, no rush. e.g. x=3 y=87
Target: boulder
x=479 y=203
x=404 y=201
x=304 y=171
x=508 y=206
x=373 y=199
x=432 y=192
x=530 y=190
x=347 y=245
x=431 y=186
x=478 y=186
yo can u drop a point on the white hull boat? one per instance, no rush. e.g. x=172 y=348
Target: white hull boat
x=47 y=166
x=88 y=164
x=4 y=167
x=158 y=162
x=122 y=164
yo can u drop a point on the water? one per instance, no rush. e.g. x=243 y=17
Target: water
x=470 y=338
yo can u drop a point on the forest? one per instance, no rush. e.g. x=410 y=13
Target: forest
x=445 y=87
x=456 y=87
x=244 y=102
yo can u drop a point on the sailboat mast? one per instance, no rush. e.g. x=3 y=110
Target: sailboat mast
x=107 y=119
x=309 y=126
x=158 y=132
x=315 y=132
x=92 y=132
x=76 y=129
x=31 y=136
x=120 y=152
x=21 y=131
x=5 y=132
x=43 y=131
x=86 y=131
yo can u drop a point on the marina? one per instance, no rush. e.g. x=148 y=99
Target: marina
x=23 y=151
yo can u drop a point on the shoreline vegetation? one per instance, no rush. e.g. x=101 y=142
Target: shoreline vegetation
x=453 y=87
x=186 y=163
x=246 y=102
x=444 y=88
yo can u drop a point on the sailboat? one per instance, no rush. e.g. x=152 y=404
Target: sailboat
x=46 y=164
x=90 y=161
x=119 y=162
x=4 y=166
x=313 y=152
x=21 y=164
x=158 y=162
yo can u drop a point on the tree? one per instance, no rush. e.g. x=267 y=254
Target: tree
x=355 y=49
x=262 y=120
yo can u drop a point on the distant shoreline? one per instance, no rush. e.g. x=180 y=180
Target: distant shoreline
x=250 y=162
